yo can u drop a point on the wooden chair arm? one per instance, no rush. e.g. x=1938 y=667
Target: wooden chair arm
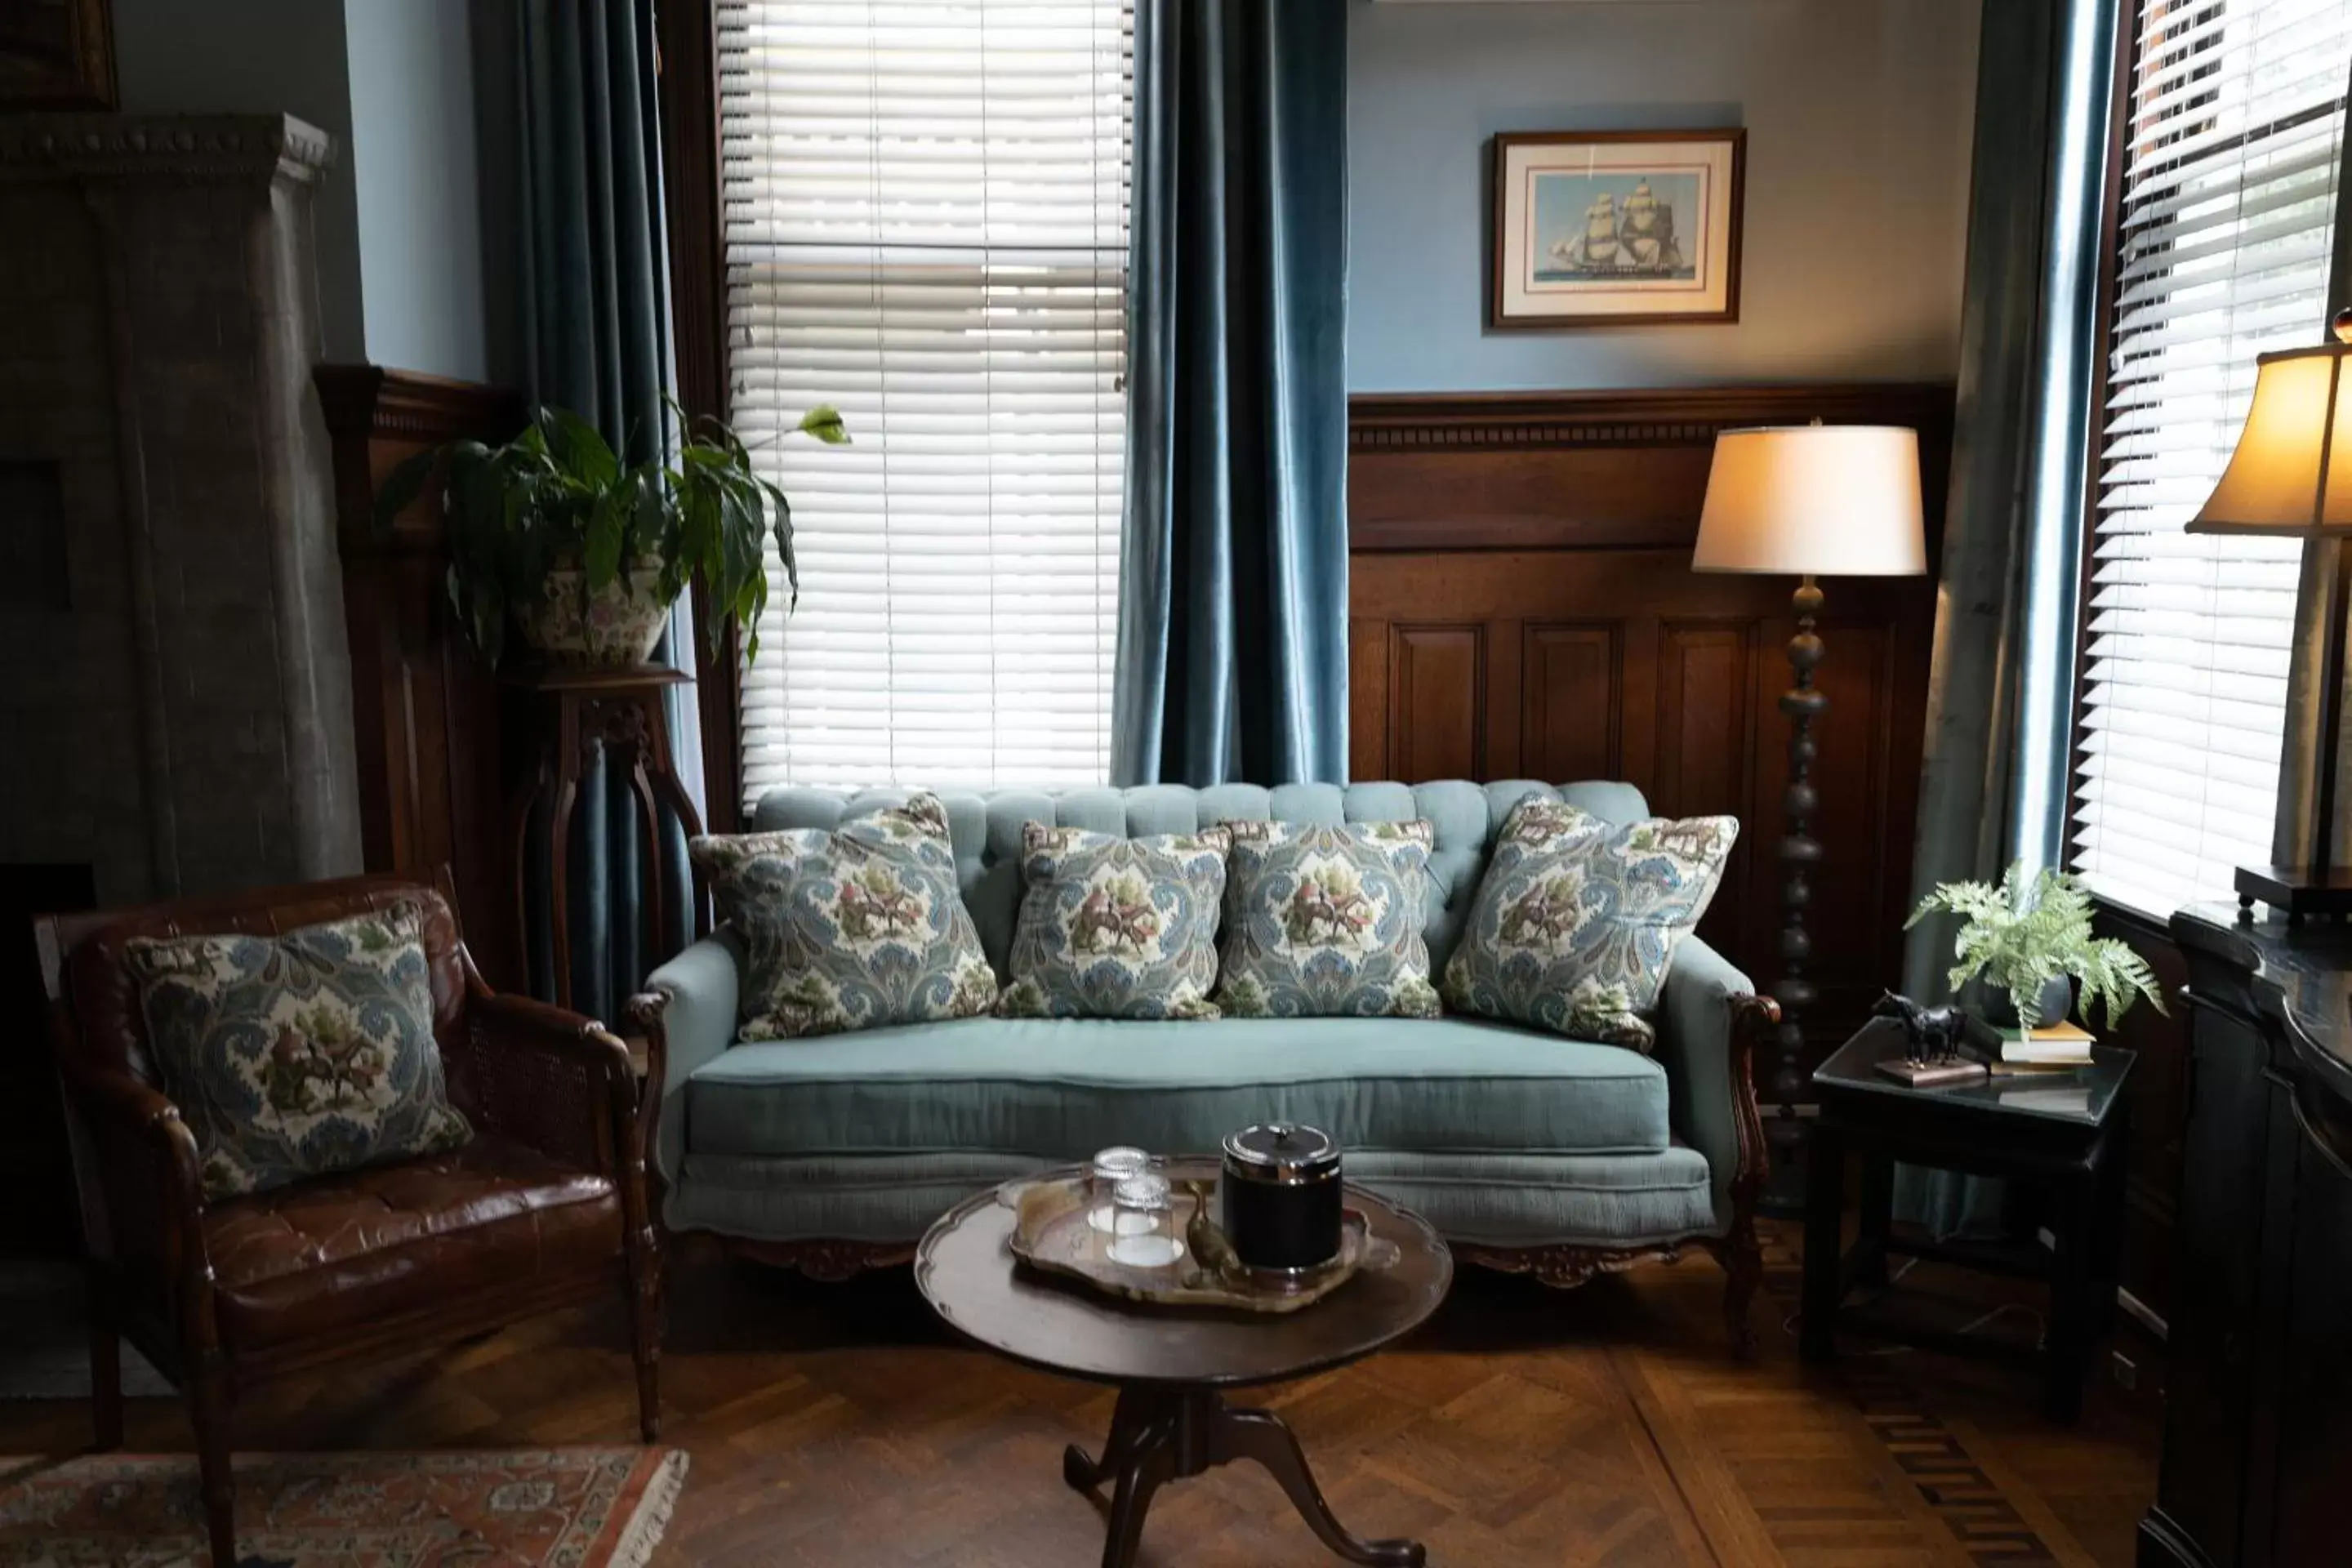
x=147 y=1224
x=555 y=1081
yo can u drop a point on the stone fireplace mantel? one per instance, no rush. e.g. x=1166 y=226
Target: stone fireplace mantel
x=180 y=697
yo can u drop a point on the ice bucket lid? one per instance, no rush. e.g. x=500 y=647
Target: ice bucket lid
x=1282 y=1151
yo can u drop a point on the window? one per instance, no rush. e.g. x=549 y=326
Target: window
x=2231 y=166
x=925 y=222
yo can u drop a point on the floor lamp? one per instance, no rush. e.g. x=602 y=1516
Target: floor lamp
x=1807 y=501
x=2287 y=480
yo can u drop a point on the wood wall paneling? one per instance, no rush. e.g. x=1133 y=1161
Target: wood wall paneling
x=1522 y=606
x=1570 y=686
x=425 y=711
x=1436 y=714
x=1705 y=758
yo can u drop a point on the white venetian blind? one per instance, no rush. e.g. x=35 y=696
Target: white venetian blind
x=2230 y=165
x=926 y=224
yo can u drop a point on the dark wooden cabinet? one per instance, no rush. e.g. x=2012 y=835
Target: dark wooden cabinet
x=2258 y=1425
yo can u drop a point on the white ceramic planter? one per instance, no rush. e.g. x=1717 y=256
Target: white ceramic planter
x=617 y=624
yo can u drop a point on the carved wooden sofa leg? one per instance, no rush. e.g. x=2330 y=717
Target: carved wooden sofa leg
x=1740 y=1252
x=1742 y=1257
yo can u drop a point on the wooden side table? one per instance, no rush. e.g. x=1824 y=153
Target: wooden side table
x=585 y=709
x=2064 y=1131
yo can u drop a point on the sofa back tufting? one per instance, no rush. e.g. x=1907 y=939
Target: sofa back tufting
x=986 y=827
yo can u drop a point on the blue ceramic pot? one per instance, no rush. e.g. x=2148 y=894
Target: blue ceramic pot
x=1995 y=1006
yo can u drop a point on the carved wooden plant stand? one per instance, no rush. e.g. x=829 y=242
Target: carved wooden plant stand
x=592 y=710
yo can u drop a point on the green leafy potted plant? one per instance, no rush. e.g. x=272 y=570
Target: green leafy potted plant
x=2026 y=946
x=587 y=553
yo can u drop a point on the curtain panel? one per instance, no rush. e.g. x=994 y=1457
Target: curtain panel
x=2000 y=696
x=597 y=342
x=1233 y=640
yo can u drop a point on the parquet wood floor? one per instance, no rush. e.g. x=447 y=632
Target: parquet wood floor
x=839 y=1425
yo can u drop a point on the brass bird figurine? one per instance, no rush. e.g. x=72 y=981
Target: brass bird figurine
x=1207 y=1244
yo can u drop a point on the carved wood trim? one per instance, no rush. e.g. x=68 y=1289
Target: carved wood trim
x=424 y=713
x=1642 y=416
x=376 y=401
x=1580 y=470
x=369 y=406
x=1569 y=1265
x=828 y=1260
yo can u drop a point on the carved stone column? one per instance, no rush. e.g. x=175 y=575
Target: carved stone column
x=188 y=714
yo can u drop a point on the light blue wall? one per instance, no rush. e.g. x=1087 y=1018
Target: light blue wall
x=408 y=275
x=414 y=157
x=1859 y=126
x=259 y=56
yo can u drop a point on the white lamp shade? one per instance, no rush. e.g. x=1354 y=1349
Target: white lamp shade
x=1831 y=500
x=2291 y=475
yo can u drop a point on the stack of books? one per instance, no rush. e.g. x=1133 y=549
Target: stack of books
x=2052 y=1049
x=2055 y=1051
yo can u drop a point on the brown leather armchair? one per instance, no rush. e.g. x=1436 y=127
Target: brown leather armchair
x=545 y=1207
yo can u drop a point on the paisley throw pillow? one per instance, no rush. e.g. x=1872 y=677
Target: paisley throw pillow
x=850 y=928
x=296 y=1055
x=1577 y=919
x=1116 y=928
x=1326 y=922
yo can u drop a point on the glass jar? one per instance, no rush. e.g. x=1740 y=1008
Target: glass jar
x=1111 y=1166
x=1144 y=1224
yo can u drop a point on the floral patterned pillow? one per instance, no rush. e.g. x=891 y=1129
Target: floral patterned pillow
x=1116 y=928
x=1577 y=919
x=296 y=1055
x=850 y=928
x=1326 y=922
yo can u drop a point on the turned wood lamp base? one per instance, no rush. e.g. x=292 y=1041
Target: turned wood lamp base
x=1161 y=1434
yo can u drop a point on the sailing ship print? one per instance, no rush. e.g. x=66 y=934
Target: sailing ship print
x=1632 y=239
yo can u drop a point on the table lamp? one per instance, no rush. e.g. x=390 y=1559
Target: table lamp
x=2284 y=481
x=1806 y=502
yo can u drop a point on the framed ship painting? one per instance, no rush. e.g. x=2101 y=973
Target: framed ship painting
x=1616 y=229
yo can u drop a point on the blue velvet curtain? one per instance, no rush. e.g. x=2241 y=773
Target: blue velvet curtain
x=1233 y=641
x=597 y=342
x=1993 y=782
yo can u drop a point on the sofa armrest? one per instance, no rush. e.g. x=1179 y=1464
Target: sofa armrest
x=1710 y=1021
x=686 y=1012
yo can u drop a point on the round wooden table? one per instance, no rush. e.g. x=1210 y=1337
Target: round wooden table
x=1171 y=1365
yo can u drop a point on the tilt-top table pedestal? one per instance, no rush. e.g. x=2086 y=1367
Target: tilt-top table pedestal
x=1157 y=1436
x=1172 y=1365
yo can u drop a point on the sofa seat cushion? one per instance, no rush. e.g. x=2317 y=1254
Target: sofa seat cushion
x=353 y=1248
x=1062 y=1088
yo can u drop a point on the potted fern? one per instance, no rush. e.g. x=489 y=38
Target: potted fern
x=2027 y=946
x=586 y=554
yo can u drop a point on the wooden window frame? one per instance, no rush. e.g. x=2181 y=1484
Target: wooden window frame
x=2111 y=209
x=686 y=48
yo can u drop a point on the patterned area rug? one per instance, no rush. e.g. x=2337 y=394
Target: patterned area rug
x=581 y=1508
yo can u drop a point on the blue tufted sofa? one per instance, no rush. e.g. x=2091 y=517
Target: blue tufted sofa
x=1529 y=1151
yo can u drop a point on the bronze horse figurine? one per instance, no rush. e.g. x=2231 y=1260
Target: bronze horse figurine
x=1934 y=1033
